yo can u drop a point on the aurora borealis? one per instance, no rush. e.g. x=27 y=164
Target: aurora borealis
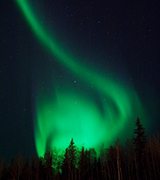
x=73 y=115
x=86 y=71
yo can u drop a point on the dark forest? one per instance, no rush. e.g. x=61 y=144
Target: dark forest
x=138 y=159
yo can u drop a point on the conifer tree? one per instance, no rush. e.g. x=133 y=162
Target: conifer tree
x=72 y=154
x=48 y=162
x=70 y=161
x=140 y=140
x=139 y=143
x=65 y=166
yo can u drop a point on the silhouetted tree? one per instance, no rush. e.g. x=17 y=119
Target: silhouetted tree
x=119 y=159
x=70 y=161
x=65 y=166
x=57 y=159
x=152 y=158
x=139 y=144
x=140 y=139
x=81 y=164
x=129 y=159
x=112 y=161
x=48 y=162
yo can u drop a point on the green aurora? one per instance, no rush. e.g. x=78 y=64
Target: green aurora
x=76 y=114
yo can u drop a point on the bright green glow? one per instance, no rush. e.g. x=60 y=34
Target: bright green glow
x=74 y=114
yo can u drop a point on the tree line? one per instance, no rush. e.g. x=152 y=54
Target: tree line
x=138 y=159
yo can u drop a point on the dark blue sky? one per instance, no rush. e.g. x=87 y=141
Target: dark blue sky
x=120 y=38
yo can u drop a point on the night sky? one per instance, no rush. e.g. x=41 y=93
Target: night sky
x=76 y=50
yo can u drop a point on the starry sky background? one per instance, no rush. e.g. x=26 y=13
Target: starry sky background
x=120 y=38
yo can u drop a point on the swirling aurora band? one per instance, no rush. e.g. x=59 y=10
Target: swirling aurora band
x=56 y=123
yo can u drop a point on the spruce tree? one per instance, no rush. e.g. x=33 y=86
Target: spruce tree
x=140 y=140
x=69 y=162
x=139 y=143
